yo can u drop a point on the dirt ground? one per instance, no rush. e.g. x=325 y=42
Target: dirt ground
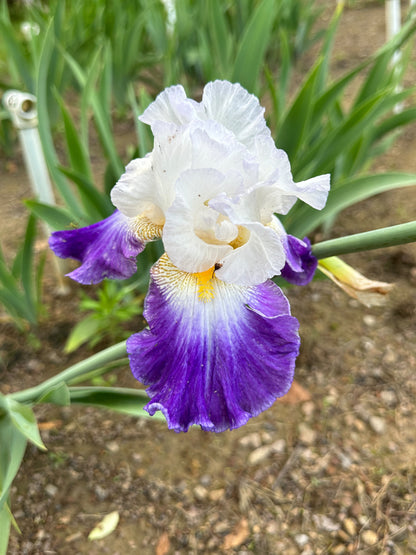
x=328 y=469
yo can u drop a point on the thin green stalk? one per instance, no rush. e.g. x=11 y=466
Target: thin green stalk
x=369 y=240
x=81 y=368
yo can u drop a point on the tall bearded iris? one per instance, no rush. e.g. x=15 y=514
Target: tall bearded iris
x=221 y=343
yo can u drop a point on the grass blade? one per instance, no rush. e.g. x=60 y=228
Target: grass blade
x=252 y=48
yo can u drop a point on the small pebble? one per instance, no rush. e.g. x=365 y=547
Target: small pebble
x=251 y=440
x=221 y=527
x=216 y=494
x=344 y=536
x=306 y=434
x=272 y=528
x=301 y=539
x=349 y=526
x=200 y=493
x=369 y=320
x=113 y=446
x=278 y=446
x=51 y=490
x=325 y=523
x=101 y=493
x=388 y=397
x=369 y=537
x=266 y=437
x=205 y=480
x=390 y=357
x=339 y=549
x=259 y=455
x=308 y=408
x=377 y=424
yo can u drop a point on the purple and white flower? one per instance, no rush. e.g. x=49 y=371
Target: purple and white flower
x=221 y=343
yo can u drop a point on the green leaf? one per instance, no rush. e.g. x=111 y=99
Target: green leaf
x=58 y=395
x=12 y=448
x=27 y=267
x=253 y=45
x=16 y=54
x=295 y=123
x=320 y=158
x=124 y=400
x=81 y=333
x=219 y=33
x=101 y=115
x=97 y=205
x=57 y=218
x=6 y=277
x=6 y=519
x=5 y=522
x=44 y=122
x=78 y=154
x=24 y=420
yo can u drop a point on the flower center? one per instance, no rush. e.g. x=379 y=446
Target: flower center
x=205 y=285
x=214 y=228
x=242 y=237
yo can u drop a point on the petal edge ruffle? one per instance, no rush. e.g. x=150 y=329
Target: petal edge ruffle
x=215 y=362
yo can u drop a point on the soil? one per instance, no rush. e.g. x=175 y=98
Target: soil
x=330 y=468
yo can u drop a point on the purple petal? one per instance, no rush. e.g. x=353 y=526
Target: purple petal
x=107 y=249
x=216 y=354
x=300 y=262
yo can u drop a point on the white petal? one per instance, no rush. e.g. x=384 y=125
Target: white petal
x=187 y=250
x=274 y=166
x=255 y=205
x=136 y=191
x=171 y=156
x=236 y=109
x=258 y=250
x=314 y=191
x=213 y=146
x=172 y=106
x=259 y=259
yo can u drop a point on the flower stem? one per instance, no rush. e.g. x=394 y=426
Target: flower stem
x=80 y=368
x=369 y=240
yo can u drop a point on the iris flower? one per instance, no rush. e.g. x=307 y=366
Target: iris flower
x=221 y=343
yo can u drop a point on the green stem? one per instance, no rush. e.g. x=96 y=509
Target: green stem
x=85 y=366
x=376 y=239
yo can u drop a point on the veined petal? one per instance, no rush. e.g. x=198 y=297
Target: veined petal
x=216 y=354
x=172 y=106
x=236 y=109
x=107 y=249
